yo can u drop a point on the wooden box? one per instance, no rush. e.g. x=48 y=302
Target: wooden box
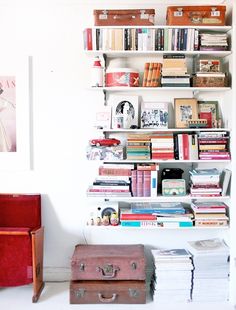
x=107 y=292
x=212 y=15
x=108 y=262
x=201 y=81
x=142 y=17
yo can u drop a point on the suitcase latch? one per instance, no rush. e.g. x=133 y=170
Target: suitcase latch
x=81 y=267
x=80 y=293
x=133 y=293
x=143 y=15
x=108 y=270
x=104 y=15
x=133 y=266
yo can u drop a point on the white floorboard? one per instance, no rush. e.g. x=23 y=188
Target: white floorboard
x=55 y=296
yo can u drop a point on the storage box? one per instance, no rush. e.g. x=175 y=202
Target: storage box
x=107 y=292
x=122 y=77
x=207 y=81
x=213 y=15
x=141 y=17
x=108 y=262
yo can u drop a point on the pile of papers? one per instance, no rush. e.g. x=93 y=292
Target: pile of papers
x=211 y=270
x=172 y=281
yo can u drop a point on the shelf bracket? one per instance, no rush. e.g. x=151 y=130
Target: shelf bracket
x=104 y=97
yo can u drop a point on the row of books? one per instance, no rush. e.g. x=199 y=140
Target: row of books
x=148 y=39
x=169 y=215
x=167 y=146
x=152 y=74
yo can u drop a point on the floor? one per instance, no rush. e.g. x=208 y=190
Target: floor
x=55 y=296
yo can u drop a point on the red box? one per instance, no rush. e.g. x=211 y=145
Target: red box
x=122 y=77
x=141 y=17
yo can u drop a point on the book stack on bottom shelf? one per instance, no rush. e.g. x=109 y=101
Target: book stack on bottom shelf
x=211 y=270
x=173 y=276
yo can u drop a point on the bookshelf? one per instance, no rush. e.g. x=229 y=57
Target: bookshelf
x=224 y=95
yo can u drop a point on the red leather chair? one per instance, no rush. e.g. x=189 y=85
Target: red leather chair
x=21 y=241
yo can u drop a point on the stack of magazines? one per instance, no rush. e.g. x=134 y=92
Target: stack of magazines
x=172 y=277
x=211 y=270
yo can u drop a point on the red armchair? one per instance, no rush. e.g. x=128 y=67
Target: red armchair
x=21 y=241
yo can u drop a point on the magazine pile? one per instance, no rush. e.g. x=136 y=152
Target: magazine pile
x=211 y=270
x=172 y=277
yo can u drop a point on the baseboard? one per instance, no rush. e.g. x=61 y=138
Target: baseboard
x=56 y=274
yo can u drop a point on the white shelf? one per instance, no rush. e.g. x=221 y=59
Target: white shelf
x=125 y=53
x=210 y=28
x=143 y=130
x=158 y=89
x=166 y=161
x=121 y=228
x=160 y=198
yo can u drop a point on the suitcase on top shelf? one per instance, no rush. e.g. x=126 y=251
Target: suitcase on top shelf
x=211 y=15
x=107 y=292
x=108 y=262
x=141 y=17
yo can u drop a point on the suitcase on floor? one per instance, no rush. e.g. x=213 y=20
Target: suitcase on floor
x=142 y=17
x=108 y=262
x=212 y=15
x=107 y=292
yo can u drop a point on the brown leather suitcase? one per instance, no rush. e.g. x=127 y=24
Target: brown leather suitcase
x=108 y=262
x=107 y=292
x=142 y=17
x=212 y=15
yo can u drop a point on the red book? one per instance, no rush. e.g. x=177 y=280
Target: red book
x=141 y=216
x=185 y=146
x=88 y=41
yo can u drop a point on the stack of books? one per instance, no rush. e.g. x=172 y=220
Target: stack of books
x=205 y=183
x=152 y=74
x=172 y=281
x=169 y=215
x=138 y=147
x=174 y=71
x=162 y=145
x=213 y=145
x=210 y=213
x=144 y=180
x=211 y=270
x=113 y=180
x=213 y=41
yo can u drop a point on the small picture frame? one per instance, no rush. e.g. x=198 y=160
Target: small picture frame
x=154 y=115
x=185 y=110
x=211 y=108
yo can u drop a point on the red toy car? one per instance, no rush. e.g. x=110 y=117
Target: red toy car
x=105 y=142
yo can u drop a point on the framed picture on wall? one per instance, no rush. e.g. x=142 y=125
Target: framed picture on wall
x=185 y=110
x=14 y=112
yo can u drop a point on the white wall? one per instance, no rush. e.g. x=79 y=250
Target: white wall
x=61 y=107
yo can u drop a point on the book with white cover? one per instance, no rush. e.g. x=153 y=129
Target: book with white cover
x=210 y=246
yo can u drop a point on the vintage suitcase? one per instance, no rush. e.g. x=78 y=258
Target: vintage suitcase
x=213 y=15
x=107 y=292
x=108 y=262
x=142 y=17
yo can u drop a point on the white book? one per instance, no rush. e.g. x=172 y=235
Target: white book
x=154 y=183
x=226 y=175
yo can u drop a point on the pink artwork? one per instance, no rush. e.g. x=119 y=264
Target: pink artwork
x=7 y=114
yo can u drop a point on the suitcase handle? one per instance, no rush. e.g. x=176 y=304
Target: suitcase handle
x=124 y=16
x=108 y=271
x=196 y=17
x=106 y=300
